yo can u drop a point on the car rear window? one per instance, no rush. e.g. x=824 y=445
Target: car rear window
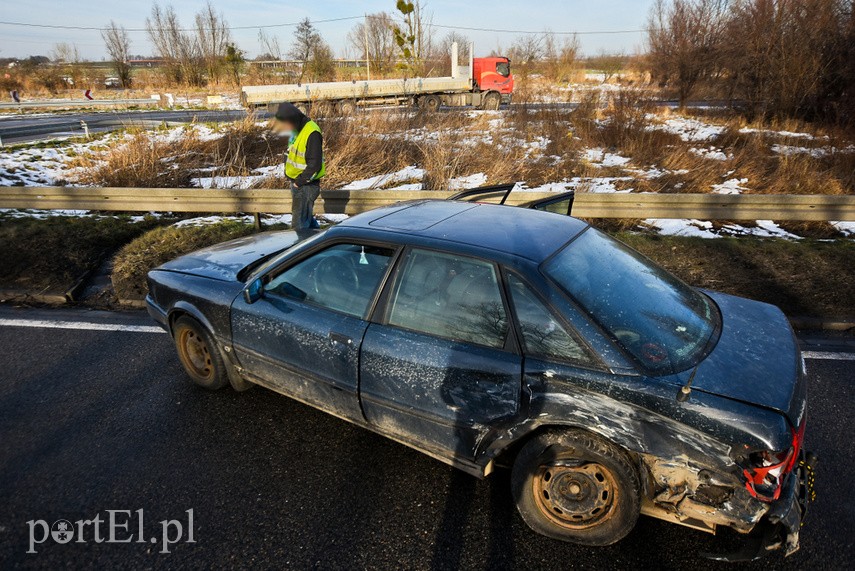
x=662 y=322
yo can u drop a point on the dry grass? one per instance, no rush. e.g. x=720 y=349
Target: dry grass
x=135 y=259
x=529 y=144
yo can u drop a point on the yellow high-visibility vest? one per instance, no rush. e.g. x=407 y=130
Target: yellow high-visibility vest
x=295 y=164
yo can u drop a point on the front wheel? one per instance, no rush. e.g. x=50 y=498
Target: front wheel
x=574 y=486
x=492 y=101
x=199 y=354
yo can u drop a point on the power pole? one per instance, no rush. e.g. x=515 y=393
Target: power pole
x=367 y=57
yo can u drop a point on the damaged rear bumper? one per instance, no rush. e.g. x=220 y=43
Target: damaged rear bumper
x=779 y=528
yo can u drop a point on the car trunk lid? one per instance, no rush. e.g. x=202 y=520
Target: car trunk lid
x=756 y=360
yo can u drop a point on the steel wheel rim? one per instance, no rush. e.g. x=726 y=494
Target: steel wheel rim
x=575 y=496
x=195 y=354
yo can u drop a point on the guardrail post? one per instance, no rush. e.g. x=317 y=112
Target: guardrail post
x=257 y=221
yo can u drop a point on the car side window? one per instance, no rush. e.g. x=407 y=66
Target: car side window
x=543 y=334
x=450 y=296
x=343 y=277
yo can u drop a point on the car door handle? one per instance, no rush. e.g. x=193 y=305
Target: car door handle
x=339 y=338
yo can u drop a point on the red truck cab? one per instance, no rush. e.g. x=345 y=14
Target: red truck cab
x=493 y=74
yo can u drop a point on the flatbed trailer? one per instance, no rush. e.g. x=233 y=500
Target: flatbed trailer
x=484 y=83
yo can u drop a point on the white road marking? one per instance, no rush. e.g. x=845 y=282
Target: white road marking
x=90 y=326
x=828 y=356
x=84 y=325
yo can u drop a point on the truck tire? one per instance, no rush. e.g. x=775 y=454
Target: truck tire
x=492 y=101
x=430 y=103
x=199 y=354
x=574 y=486
x=346 y=107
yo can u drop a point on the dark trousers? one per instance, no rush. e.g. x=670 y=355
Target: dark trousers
x=302 y=206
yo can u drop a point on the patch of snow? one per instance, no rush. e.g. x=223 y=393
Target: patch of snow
x=690 y=130
x=599 y=157
x=406 y=174
x=847 y=228
x=682 y=227
x=467 y=182
x=711 y=153
x=332 y=218
x=732 y=186
x=788 y=150
x=764 y=229
x=786 y=134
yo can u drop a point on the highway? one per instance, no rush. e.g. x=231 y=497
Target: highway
x=40 y=126
x=96 y=414
x=33 y=127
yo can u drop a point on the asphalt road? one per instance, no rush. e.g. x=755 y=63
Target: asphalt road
x=23 y=128
x=105 y=420
x=38 y=126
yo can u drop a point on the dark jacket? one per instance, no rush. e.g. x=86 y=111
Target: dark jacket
x=314 y=145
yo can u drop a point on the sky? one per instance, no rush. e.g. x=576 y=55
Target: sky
x=525 y=15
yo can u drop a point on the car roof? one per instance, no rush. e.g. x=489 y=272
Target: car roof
x=521 y=232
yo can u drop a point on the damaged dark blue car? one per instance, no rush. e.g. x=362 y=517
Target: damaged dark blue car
x=490 y=336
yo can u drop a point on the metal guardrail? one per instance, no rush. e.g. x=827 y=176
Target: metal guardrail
x=716 y=206
x=77 y=103
x=585 y=205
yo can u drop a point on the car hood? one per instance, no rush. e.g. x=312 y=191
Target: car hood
x=226 y=260
x=756 y=360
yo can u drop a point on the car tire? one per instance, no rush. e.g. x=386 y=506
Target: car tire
x=199 y=354
x=574 y=486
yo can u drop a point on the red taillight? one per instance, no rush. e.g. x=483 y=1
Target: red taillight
x=764 y=481
x=798 y=438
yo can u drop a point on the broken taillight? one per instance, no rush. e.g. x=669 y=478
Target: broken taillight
x=766 y=476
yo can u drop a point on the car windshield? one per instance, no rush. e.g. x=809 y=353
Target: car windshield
x=662 y=322
x=266 y=264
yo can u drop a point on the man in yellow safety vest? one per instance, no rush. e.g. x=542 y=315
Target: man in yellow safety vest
x=304 y=165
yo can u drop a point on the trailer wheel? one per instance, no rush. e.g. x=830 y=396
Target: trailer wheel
x=346 y=107
x=492 y=101
x=430 y=103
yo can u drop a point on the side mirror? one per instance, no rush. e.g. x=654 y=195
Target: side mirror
x=254 y=291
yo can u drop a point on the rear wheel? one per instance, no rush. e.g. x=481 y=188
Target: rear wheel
x=346 y=107
x=576 y=487
x=492 y=101
x=430 y=103
x=199 y=354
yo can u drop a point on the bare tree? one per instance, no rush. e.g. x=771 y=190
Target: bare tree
x=269 y=45
x=528 y=49
x=179 y=49
x=684 y=40
x=786 y=56
x=212 y=37
x=561 y=59
x=375 y=37
x=118 y=46
x=608 y=64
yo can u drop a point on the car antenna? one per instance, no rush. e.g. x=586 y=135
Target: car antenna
x=686 y=390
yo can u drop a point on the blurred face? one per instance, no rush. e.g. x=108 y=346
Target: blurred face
x=286 y=128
